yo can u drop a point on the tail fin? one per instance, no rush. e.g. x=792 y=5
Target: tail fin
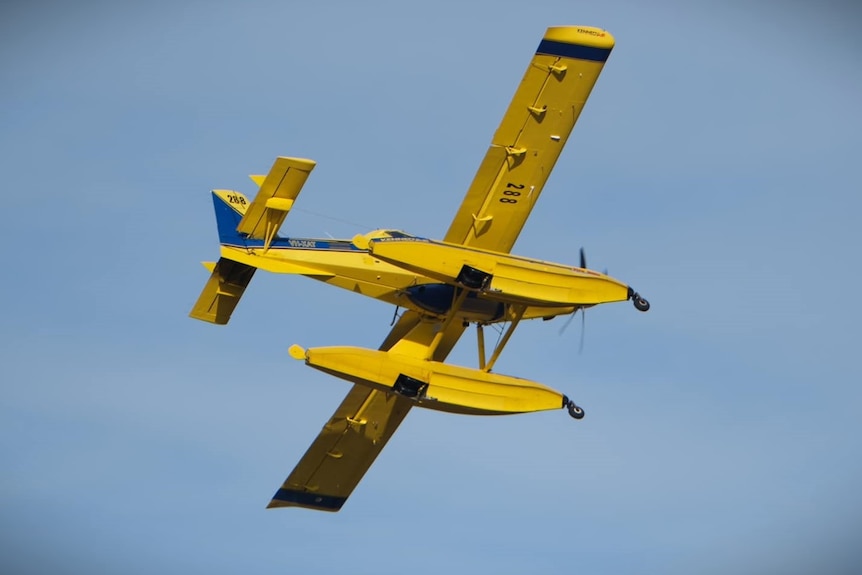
x=230 y=207
x=260 y=219
x=240 y=220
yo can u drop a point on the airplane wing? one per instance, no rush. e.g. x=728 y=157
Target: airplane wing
x=344 y=450
x=348 y=444
x=353 y=437
x=522 y=154
x=530 y=138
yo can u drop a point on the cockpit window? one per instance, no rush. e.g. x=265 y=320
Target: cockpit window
x=398 y=234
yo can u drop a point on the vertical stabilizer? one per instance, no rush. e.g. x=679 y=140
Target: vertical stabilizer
x=230 y=207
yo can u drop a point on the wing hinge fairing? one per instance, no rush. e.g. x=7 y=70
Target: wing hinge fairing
x=537 y=112
x=557 y=70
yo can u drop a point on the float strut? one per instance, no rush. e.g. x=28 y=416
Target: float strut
x=461 y=295
x=480 y=338
x=519 y=313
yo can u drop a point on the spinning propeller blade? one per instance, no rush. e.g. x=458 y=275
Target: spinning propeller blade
x=583 y=265
x=583 y=327
x=568 y=321
x=583 y=331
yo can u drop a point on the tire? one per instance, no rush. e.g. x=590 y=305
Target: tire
x=575 y=411
x=640 y=303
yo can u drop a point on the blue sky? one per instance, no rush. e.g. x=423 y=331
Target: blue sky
x=715 y=168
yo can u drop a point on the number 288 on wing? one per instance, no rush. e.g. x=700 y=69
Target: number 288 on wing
x=511 y=193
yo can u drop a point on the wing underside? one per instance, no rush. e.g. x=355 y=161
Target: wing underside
x=530 y=137
x=356 y=433
x=343 y=451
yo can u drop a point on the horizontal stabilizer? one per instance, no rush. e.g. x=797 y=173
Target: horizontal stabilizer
x=222 y=292
x=277 y=193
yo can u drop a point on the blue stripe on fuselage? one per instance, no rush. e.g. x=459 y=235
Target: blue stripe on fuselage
x=576 y=51
x=227 y=220
x=295 y=244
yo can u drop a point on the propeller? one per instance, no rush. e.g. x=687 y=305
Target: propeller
x=583 y=326
x=583 y=330
x=583 y=265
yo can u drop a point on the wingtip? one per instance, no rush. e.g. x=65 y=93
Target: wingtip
x=581 y=35
x=296 y=352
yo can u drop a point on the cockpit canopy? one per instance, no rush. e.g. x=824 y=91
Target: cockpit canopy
x=387 y=234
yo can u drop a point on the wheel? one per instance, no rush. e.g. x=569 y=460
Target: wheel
x=575 y=411
x=640 y=303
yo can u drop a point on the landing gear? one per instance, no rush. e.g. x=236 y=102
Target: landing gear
x=575 y=411
x=640 y=303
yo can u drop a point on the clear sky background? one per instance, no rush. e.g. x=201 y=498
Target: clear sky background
x=715 y=169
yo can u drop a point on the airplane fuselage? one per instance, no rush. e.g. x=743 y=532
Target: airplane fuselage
x=342 y=264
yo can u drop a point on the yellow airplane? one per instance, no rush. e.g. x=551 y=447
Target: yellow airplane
x=467 y=278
